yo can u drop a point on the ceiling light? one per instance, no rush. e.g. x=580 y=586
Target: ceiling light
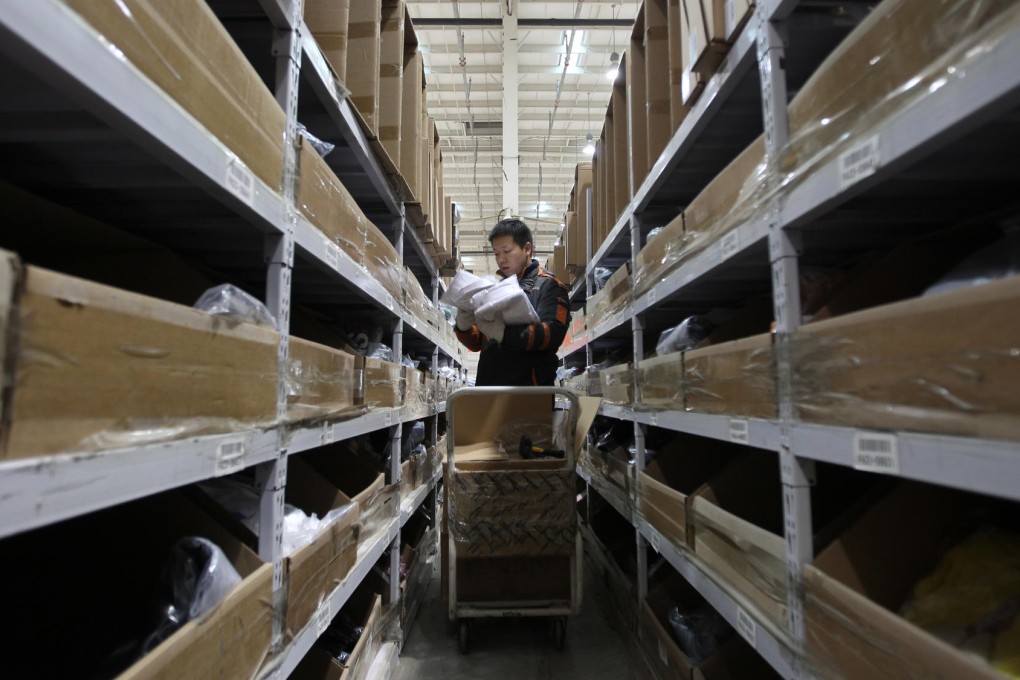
x=614 y=66
x=589 y=148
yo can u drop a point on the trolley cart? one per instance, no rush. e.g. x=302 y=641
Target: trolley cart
x=514 y=548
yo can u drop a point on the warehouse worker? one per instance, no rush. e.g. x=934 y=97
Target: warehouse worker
x=518 y=355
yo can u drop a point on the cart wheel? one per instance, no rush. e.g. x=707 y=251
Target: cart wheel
x=463 y=637
x=559 y=631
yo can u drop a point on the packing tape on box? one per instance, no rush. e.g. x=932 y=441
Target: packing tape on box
x=363 y=29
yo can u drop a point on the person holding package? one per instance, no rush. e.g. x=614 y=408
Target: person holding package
x=518 y=354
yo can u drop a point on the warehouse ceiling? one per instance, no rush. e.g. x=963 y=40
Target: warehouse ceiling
x=551 y=81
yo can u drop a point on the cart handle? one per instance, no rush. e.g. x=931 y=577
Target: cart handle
x=463 y=392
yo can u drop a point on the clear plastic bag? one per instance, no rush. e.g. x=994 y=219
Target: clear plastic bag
x=653 y=233
x=196 y=578
x=602 y=276
x=322 y=148
x=229 y=301
x=687 y=335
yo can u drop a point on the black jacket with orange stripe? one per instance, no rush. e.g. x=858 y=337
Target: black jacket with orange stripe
x=527 y=355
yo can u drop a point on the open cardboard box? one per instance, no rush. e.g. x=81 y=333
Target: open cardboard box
x=734 y=378
x=677 y=471
x=855 y=586
x=365 y=609
x=659 y=645
x=98 y=579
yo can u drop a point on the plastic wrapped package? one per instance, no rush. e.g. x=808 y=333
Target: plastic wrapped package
x=654 y=261
x=230 y=302
x=100 y=368
x=606 y=305
x=327 y=204
x=735 y=378
x=383 y=263
x=463 y=287
x=946 y=363
x=321 y=147
x=684 y=336
x=196 y=578
x=899 y=54
x=699 y=632
x=602 y=275
x=617 y=384
x=184 y=50
x=320 y=381
x=487 y=298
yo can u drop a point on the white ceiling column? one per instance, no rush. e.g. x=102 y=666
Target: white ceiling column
x=511 y=150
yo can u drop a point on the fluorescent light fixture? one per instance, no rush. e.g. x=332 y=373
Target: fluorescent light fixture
x=589 y=148
x=614 y=66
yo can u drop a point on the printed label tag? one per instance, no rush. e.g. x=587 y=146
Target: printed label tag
x=327 y=433
x=323 y=617
x=876 y=452
x=747 y=627
x=739 y=431
x=730 y=245
x=240 y=181
x=858 y=162
x=389 y=301
x=656 y=542
x=230 y=456
x=332 y=254
x=652 y=296
x=655 y=419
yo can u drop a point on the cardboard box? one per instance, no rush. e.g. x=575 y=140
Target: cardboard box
x=106 y=622
x=383 y=262
x=618 y=384
x=363 y=43
x=735 y=524
x=705 y=40
x=411 y=106
x=391 y=76
x=659 y=117
x=659 y=645
x=174 y=45
x=854 y=587
x=327 y=204
x=637 y=101
x=356 y=473
x=126 y=361
x=678 y=470
x=381 y=383
x=621 y=151
x=327 y=20
x=935 y=364
x=313 y=571
x=733 y=378
x=661 y=381
x=364 y=609
x=676 y=63
x=737 y=14
x=321 y=381
x=659 y=255
x=852 y=89
x=609 y=169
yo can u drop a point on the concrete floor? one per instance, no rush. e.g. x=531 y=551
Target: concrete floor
x=521 y=649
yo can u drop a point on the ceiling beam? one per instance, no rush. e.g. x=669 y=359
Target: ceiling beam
x=467 y=22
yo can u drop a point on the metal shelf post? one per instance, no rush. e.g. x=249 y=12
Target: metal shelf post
x=396 y=432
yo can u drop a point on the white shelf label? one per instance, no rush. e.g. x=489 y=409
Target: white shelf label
x=389 y=301
x=858 y=162
x=652 y=296
x=323 y=617
x=240 y=181
x=328 y=436
x=876 y=452
x=332 y=254
x=730 y=245
x=389 y=418
x=655 y=419
x=747 y=627
x=656 y=542
x=230 y=455
x=739 y=432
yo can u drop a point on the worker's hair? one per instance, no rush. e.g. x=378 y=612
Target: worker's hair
x=515 y=228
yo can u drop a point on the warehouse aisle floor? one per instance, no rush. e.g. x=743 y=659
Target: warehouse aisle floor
x=521 y=649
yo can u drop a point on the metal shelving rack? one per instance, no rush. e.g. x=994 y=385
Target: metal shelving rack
x=49 y=46
x=765 y=250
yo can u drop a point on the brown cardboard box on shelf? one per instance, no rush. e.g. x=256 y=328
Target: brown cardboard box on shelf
x=658 y=643
x=705 y=45
x=676 y=64
x=327 y=204
x=315 y=569
x=932 y=364
x=381 y=383
x=411 y=105
x=363 y=39
x=364 y=609
x=637 y=98
x=655 y=260
x=121 y=602
x=383 y=263
x=661 y=381
x=558 y=264
x=127 y=361
x=573 y=251
x=735 y=524
x=174 y=45
x=657 y=85
x=609 y=168
x=321 y=381
x=854 y=588
x=602 y=190
x=617 y=384
x=327 y=20
x=391 y=76
x=621 y=152
x=678 y=470
x=733 y=378
x=738 y=13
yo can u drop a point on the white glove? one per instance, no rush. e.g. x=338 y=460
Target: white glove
x=493 y=330
x=465 y=319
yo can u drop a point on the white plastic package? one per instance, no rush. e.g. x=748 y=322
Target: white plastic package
x=229 y=301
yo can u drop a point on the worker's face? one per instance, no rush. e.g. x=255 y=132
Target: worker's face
x=510 y=257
